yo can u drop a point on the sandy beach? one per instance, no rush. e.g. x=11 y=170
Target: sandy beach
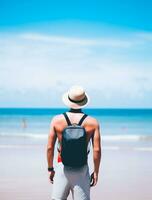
x=125 y=173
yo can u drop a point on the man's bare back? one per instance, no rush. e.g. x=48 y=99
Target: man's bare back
x=90 y=124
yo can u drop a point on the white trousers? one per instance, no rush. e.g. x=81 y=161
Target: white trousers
x=75 y=180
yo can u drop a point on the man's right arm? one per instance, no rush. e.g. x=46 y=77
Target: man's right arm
x=50 y=148
x=96 y=153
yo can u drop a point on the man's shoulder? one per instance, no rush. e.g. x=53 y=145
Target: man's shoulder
x=57 y=118
x=93 y=121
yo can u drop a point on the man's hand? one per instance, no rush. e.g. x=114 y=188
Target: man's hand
x=51 y=176
x=93 y=179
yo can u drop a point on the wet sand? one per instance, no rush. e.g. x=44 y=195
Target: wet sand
x=125 y=173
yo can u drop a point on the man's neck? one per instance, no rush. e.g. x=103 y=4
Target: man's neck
x=75 y=110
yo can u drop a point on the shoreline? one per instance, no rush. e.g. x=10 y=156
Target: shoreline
x=115 y=148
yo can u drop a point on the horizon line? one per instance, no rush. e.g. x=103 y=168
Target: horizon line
x=102 y=108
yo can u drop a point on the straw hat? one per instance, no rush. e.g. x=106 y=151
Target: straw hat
x=75 y=98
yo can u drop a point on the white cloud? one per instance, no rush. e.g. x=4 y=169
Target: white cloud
x=147 y=36
x=37 y=65
x=111 y=42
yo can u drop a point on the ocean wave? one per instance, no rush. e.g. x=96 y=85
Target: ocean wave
x=25 y=135
x=127 y=137
x=104 y=137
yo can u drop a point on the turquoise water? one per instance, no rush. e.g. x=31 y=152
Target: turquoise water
x=116 y=124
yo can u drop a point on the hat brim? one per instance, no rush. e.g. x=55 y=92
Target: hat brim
x=73 y=105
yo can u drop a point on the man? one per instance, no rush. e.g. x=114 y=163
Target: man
x=64 y=178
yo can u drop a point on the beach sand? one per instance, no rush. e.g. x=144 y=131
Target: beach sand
x=125 y=172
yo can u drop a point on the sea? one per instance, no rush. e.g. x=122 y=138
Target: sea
x=117 y=126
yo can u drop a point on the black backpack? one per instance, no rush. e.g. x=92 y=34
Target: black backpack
x=74 y=144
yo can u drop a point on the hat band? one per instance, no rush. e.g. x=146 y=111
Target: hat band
x=80 y=101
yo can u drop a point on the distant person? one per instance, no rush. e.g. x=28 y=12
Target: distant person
x=24 y=123
x=74 y=130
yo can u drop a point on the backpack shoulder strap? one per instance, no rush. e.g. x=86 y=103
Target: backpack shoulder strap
x=67 y=119
x=82 y=119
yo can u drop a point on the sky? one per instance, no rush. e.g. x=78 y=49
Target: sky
x=48 y=46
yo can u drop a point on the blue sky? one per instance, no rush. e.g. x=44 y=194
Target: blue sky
x=47 y=46
x=135 y=14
